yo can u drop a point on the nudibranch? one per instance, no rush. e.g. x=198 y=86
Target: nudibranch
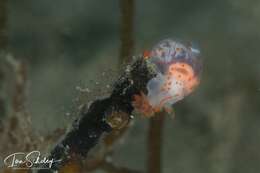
x=178 y=67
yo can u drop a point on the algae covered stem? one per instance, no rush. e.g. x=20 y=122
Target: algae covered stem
x=100 y=116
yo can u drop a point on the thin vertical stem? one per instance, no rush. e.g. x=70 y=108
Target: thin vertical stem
x=126 y=30
x=3 y=45
x=20 y=87
x=3 y=19
x=155 y=143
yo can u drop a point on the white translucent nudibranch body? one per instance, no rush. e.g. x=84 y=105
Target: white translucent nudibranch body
x=178 y=67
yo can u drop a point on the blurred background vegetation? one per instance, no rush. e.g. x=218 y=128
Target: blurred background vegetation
x=71 y=50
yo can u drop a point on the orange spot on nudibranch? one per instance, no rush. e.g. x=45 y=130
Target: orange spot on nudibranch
x=164 y=100
x=185 y=74
x=178 y=49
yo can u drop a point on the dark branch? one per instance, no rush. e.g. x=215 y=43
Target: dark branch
x=155 y=135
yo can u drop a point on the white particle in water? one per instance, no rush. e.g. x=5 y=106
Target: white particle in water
x=108 y=159
x=82 y=89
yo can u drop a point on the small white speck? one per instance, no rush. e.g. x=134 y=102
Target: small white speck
x=82 y=89
x=108 y=159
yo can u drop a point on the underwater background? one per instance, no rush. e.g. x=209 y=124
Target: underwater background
x=72 y=55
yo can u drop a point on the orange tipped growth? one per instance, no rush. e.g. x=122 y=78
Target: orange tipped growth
x=146 y=54
x=142 y=105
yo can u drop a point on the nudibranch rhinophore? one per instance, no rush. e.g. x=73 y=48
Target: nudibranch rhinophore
x=178 y=67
